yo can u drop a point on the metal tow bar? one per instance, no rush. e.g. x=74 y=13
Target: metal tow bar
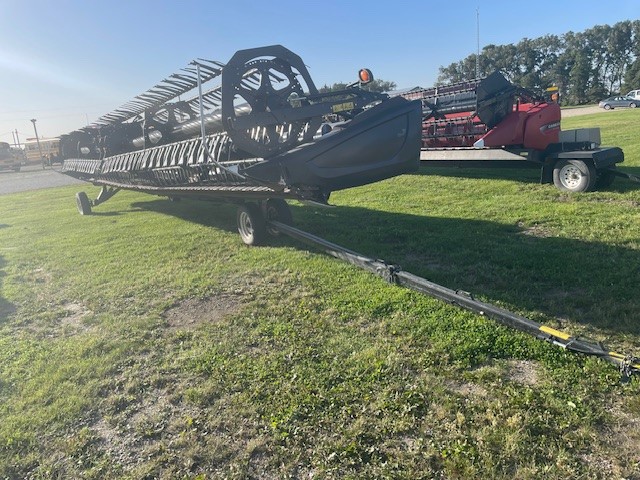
x=393 y=274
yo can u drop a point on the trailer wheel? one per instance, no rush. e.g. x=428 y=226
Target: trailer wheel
x=251 y=224
x=83 y=203
x=276 y=209
x=574 y=176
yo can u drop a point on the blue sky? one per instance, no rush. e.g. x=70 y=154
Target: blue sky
x=68 y=61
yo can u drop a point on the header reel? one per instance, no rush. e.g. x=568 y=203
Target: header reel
x=269 y=127
x=263 y=99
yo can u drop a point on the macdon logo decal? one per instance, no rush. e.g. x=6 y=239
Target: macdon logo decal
x=549 y=126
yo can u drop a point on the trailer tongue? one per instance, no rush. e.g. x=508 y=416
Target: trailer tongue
x=492 y=123
x=628 y=365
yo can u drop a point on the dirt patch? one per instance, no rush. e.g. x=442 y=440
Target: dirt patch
x=622 y=434
x=468 y=389
x=524 y=372
x=614 y=201
x=535 y=230
x=75 y=314
x=193 y=311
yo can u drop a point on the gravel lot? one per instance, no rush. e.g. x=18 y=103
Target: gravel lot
x=33 y=178
x=574 y=112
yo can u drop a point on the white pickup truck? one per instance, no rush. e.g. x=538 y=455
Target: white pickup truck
x=635 y=94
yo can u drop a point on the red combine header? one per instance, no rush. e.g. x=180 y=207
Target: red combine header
x=490 y=122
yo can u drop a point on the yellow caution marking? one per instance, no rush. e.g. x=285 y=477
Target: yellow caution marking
x=554 y=332
x=622 y=358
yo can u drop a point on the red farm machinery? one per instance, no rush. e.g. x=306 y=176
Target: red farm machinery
x=490 y=122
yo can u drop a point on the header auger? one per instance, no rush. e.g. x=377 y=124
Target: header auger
x=249 y=132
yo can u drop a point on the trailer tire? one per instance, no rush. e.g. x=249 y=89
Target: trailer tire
x=574 y=176
x=251 y=224
x=276 y=209
x=83 y=203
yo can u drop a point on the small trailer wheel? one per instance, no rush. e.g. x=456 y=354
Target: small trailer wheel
x=278 y=210
x=574 y=176
x=251 y=224
x=83 y=203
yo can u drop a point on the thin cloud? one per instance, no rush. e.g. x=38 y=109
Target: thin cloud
x=40 y=70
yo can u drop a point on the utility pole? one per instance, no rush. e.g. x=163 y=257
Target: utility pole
x=33 y=120
x=17 y=139
x=478 y=42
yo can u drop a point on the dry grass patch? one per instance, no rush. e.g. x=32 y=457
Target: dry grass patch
x=192 y=312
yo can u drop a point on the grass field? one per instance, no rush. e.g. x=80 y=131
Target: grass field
x=146 y=341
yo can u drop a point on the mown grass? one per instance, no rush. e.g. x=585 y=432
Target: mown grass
x=146 y=341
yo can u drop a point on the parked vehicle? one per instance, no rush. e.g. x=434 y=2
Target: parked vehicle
x=635 y=94
x=42 y=150
x=9 y=160
x=619 y=101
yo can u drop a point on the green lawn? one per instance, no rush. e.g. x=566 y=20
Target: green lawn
x=146 y=341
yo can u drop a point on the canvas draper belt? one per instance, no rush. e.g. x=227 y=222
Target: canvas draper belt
x=392 y=273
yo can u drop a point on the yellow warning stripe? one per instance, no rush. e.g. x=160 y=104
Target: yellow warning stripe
x=565 y=336
x=554 y=332
x=622 y=358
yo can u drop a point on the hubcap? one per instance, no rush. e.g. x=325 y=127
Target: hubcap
x=570 y=176
x=246 y=229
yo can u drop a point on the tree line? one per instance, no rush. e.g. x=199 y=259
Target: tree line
x=586 y=66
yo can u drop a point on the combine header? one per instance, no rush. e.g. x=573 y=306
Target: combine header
x=257 y=138
x=492 y=123
x=251 y=138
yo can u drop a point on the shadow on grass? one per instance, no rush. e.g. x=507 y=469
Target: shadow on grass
x=6 y=308
x=522 y=269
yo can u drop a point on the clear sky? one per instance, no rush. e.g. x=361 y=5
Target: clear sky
x=66 y=62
